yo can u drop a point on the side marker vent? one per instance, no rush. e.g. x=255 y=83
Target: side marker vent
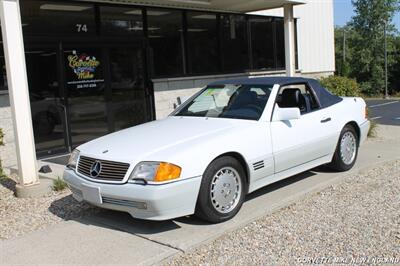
x=258 y=165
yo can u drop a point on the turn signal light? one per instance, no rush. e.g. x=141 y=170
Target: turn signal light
x=167 y=172
x=366 y=112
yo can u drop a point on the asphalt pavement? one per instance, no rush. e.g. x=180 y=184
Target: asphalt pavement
x=385 y=112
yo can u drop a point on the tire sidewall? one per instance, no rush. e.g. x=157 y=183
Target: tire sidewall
x=343 y=166
x=204 y=207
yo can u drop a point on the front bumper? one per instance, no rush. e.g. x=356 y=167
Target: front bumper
x=150 y=202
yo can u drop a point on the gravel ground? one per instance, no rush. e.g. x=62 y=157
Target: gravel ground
x=357 y=219
x=20 y=216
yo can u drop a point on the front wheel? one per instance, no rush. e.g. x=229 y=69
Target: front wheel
x=346 y=151
x=222 y=190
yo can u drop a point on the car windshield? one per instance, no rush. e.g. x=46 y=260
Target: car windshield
x=229 y=101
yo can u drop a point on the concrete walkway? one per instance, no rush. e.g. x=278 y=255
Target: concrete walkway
x=115 y=238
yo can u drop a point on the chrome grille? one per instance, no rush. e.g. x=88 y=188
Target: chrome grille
x=126 y=203
x=110 y=171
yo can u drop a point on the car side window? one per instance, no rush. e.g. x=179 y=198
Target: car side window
x=297 y=95
x=311 y=98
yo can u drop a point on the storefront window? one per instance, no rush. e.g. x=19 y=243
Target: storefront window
x=129 y=105
x=66 y=19
x=280 y=44
x=166 y=41
x=90 y=64
x=234 y=52
x=262 y=41
x=202 y=43
x=3 y=76
x=126 y=22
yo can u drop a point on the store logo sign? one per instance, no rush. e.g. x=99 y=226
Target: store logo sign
x=84 y=66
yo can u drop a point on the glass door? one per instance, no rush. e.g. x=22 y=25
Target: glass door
x=46 y=99
x=129 y=91
x=106 y=89
x=86 y=92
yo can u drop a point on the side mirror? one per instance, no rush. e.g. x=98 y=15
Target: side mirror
x=285 y=114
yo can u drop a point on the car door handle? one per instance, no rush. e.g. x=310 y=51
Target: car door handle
x=326 y=120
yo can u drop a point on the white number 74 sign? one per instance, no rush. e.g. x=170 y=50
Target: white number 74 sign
x=81 y=28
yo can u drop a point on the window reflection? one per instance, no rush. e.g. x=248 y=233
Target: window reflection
x=166 y=41
x=57 y=18
x=280 y=44
x=234 y=50
x=46 y=107
x=121 y=21
x=262 y=39
x=3 y=76
x=202 y=42
x=127 y=84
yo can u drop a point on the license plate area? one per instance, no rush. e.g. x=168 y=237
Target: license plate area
x=91 y=194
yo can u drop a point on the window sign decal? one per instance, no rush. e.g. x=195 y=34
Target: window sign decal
x=86 y=70
x=84 y=66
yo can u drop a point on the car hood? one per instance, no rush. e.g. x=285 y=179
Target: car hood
x=146 y=141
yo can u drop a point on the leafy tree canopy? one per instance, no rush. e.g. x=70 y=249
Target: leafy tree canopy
x=364 y=58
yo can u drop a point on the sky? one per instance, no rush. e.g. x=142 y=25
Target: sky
x=344 y=12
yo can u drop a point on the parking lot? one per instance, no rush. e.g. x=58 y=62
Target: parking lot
x=384 y=112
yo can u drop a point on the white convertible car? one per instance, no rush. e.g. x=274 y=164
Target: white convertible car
x=228 y=140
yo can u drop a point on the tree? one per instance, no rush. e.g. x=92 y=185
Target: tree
x=394 y=77
x=367 y=60
x=343 y=51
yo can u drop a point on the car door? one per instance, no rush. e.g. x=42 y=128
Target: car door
x=299 y=141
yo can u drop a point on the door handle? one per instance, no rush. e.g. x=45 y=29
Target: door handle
x=326 y=120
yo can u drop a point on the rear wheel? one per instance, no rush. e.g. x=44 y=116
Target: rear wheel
x=222 y=190
x=346 y=151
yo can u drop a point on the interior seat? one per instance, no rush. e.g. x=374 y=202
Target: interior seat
x=293 y=98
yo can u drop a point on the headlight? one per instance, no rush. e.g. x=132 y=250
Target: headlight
x=73 y=159
x=156 y=171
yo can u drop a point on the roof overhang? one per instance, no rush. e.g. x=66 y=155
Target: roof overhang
x=236 y=6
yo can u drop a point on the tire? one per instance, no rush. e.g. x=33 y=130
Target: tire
x=223 y=182
x=345 y=157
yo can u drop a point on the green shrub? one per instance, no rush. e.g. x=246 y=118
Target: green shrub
x=59 y=184
x=341 y=86
x=372 y=129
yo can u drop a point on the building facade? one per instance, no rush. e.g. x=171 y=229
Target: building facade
x=95 y=67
